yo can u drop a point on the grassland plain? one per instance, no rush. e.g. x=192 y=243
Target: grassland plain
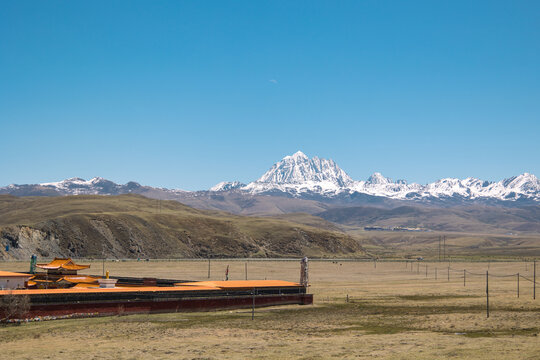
x=394 y=311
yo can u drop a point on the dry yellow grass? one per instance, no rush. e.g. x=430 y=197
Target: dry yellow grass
x=393 y=313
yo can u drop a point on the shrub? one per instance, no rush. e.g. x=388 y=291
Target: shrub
x=13 y=306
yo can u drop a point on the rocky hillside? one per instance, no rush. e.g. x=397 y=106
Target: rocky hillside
x=132 y=226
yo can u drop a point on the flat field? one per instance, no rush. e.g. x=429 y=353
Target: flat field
x=394 y=311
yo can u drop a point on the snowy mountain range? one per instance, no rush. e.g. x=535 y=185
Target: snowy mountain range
x=78 y=186
x=298 y=176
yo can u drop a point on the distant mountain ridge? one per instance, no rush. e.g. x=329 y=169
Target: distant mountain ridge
x=78 y=186
x=313 y=179
x=298 y=175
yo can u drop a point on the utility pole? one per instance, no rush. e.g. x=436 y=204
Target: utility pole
x=444 y=247
x=253 y=305
x=103 y=256
x=439 y=247
x=487 y=293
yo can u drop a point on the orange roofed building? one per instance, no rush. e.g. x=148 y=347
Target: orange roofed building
x=62 y=266
x=61 y=273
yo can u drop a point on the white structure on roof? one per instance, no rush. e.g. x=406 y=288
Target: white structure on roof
x=107 y=283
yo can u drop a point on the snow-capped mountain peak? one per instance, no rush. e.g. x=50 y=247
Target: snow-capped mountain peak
x=94 y=186
x=97 y=180
x=227 y=185
x=299 y=169
x=520 y=180
x=525 y=183
x=298 y=175
x=297 y=156
x=74 y=179
x=378 y=179
x=63 y=183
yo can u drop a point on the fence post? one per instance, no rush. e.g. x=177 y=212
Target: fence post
x=253 y=305
x=426 y=270
x=418 y=268
x=435 y=273
x=487 y=293
x=209 y=268
x=464 y=277
x=245 y=267
x=518 y=285
x=534 y=281
x=449 y=273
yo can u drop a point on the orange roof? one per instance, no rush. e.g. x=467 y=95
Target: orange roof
x=191 y=286
x=98 y=290
x=61 y=263
x=241 y=284
x=77 y=279
x=85 y=285
x=13 y=274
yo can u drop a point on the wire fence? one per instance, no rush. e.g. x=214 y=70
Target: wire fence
x=464 y=272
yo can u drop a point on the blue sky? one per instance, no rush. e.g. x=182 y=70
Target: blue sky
x=184 y=94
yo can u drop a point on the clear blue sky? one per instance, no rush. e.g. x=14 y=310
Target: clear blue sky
x=184 y=94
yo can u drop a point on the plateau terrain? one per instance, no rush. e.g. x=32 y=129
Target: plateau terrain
x=132 y=226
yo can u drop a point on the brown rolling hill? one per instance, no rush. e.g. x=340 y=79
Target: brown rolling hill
x=132 y=226
x=480 y=219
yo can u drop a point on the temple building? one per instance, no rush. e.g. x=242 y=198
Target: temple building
x=62 y=266
x=61 y=273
